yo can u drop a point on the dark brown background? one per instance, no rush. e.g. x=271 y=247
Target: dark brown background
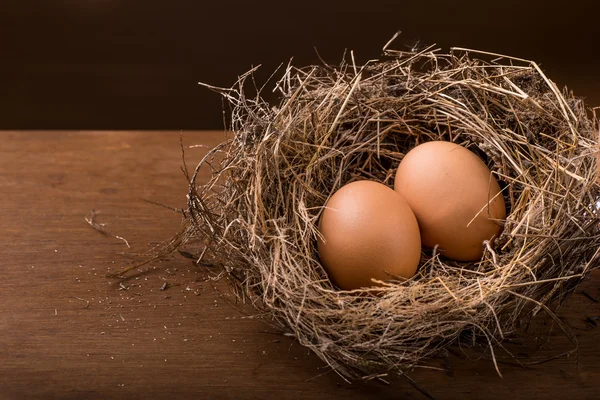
x=135 y=64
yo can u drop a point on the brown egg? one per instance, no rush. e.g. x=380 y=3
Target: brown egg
x=369 y=232
x=454 y=196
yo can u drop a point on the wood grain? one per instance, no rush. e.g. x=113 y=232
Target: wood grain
x=68 y=332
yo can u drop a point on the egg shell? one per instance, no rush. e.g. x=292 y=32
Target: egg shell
x=454 y=196
x=369 y=231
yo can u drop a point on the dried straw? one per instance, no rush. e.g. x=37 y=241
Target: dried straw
x=257 y=215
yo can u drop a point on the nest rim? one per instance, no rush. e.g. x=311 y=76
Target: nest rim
x=269 y=241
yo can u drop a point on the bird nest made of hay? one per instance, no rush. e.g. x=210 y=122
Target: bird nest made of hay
x=258 y=214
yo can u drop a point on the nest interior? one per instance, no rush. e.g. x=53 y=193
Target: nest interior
x=258 y=215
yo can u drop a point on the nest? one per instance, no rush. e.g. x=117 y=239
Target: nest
x=258 y=214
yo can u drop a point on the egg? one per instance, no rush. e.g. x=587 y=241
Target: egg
x=455 y=197
x=368 y=231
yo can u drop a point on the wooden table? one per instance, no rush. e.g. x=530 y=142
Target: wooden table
x=68 y=332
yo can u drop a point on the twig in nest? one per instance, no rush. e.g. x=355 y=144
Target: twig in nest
x=174 y=209
x=100 y=227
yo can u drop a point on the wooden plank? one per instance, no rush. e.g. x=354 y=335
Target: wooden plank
x=67 y=332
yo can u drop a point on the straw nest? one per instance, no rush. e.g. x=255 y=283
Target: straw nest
x=257 y=215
